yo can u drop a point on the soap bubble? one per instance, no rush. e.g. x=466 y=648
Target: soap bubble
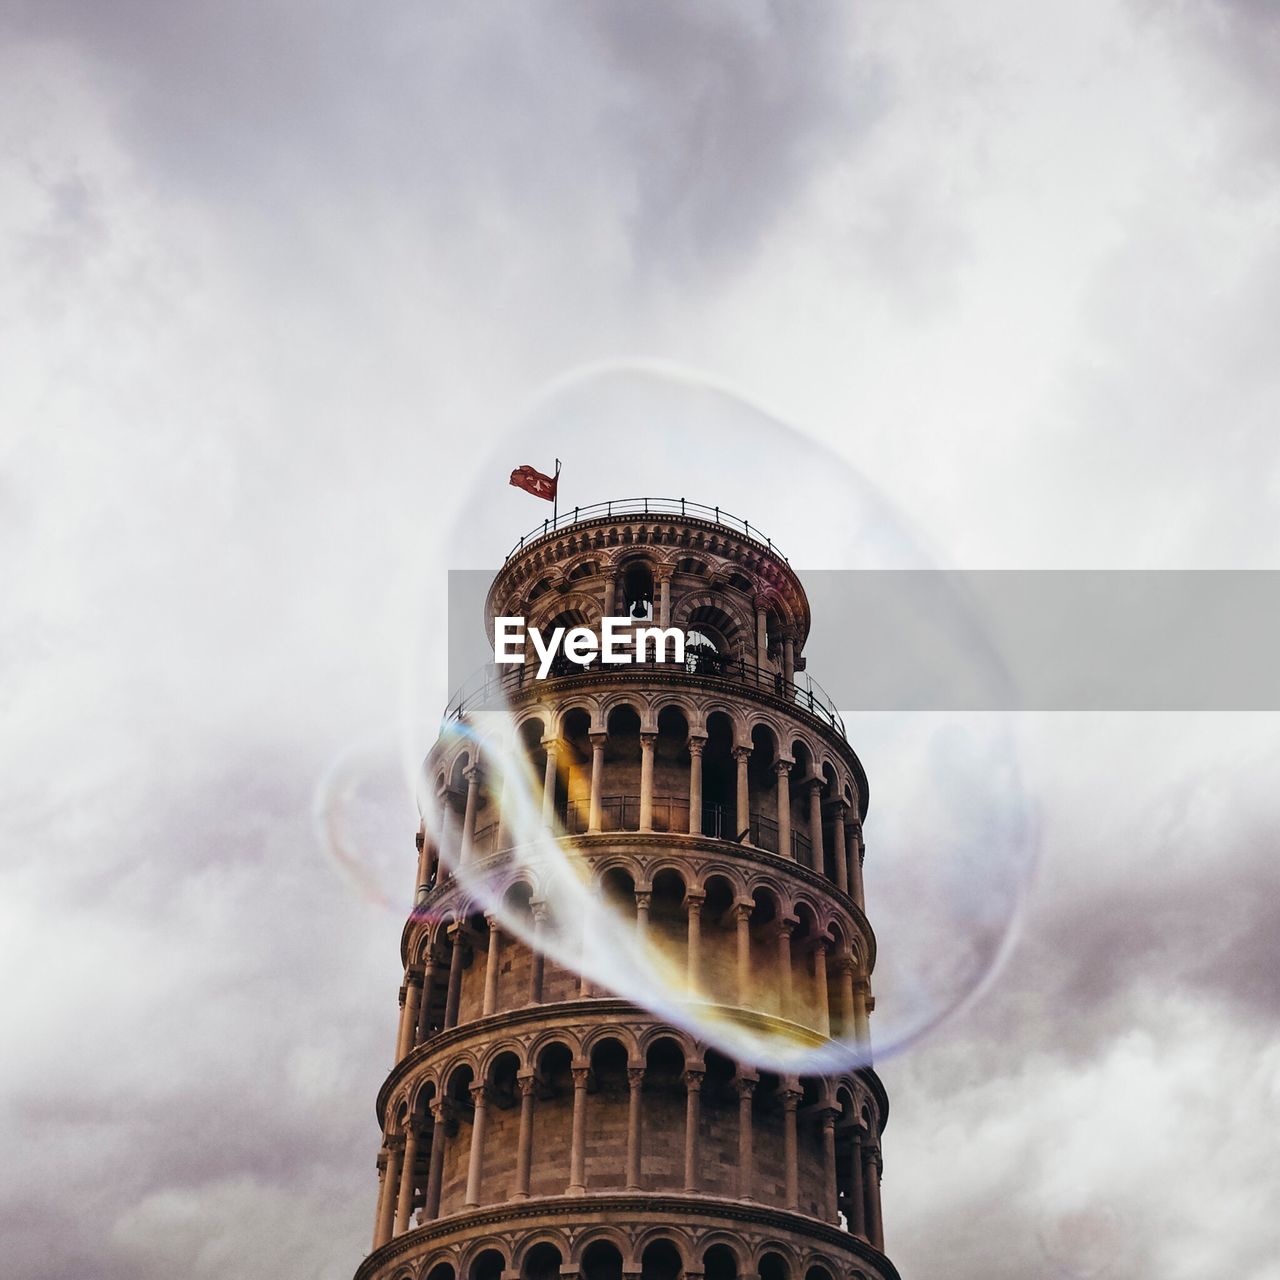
x=949 y=838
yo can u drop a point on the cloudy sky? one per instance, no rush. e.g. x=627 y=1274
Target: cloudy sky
x=276 y=277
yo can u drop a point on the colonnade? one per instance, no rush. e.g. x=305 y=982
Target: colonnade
x=850 y=1196
x=852 y=995
x=847 y=854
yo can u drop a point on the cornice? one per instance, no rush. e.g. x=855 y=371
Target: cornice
x=659 y=1204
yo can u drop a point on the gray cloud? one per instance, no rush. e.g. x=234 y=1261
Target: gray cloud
x=272 y=272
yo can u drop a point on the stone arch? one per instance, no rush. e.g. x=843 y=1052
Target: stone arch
x=476 y=1250
x=613 y=1235
x=441 y=1266
x=551 y=605
x=775 y=1260
x=488 y=1056
x=663 y=1254
x=625 y=1037
x=722 y=1256
x=604 y=1255
x=577 y=702
x=548 y=1039
x=533 y=1256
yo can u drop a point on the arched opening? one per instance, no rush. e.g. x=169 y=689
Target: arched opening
x=801 y=776
x=541 y=1262
x=661 y=1261
x=718 y=1263
x=830 y=793
x=488 y=1265
x=503 y=1101
x=710 y=636
x=608 y=1091
x=766 y=980
x=573 y=767
x=719 y=779
x=668 y=917
x=441 y=1271
x=719 y=959
x=620 y=790
x=664 y=1114
x=637 y=590
x=761 y=785
x=671 y=772
x=602 y=1260
x=773 y=1266
x=817 y=1272
x=552 y=1118
x=618 y=890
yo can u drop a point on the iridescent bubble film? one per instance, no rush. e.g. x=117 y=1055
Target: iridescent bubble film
x=948 y=831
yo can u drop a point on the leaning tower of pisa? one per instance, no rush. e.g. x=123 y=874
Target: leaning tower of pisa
x=534 y=1124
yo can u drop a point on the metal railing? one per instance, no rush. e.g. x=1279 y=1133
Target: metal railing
x=645 y=507
x=493 y=687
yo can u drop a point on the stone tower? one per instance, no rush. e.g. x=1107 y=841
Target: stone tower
x=536 y=1125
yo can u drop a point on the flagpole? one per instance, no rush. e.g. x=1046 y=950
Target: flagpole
x=555 y=497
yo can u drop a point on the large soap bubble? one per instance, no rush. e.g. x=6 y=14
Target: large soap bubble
x=949 y=847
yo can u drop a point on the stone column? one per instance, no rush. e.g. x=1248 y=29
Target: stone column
x=391 y=1192
x=746 y=1087
x=424 y=858
x=585 y=987
x=816 y=858
x=857 y=1196
x=875 y=1226
x=762 y=636
x=404 y=1205
x=838 y=854
x=435 y=1171
x=782 y=770
x=848 y=1018
x=861 y=1023
x=743 y=832
x=475 y=1155
x=402 y=1003
x=820 y=948
x=742 y=918
x=643 y=899
x=457 y=931
x=829 y=1197
x=791 y=1099
x=695 y=784
x=692 y=1111
x=788 y=657
x=472 y=775
x=635 y=1081
x=578 y=1139
x=693 y=906
x=493 y=962
x=442 y=831
x=786 y=926
x=597 y=781
x=664 y=598
x=384 y=1159
x=646 y=780
x=422 y=1031
x=409 y=1020
x=856 y=853
x=500 y=832
x=537 y=962
x=524 y=1144
x=549 y=784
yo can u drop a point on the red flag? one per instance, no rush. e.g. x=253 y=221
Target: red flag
x=535 y=482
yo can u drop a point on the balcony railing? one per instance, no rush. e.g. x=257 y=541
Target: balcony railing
x=493 y=687
x=645 y=507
